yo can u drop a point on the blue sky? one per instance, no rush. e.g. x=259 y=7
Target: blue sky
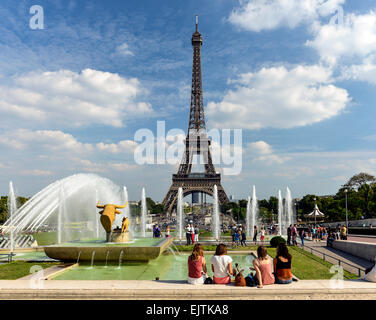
x=300 y=86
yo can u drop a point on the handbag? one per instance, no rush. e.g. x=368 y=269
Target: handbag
x=239 y=279
x=208 y=280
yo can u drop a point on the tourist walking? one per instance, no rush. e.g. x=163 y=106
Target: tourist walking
x=192 y=233
x=197 y=272
x=233 y=231
x=168 y=232
x=262 y=235
x=196 y=233
x=157 y=232
x=255 y=234
x=222 y=265
x=282 y=265
x=263 y=267
x=294 y=234
x=237 y=238
x=314 y=234
x=289 y=235
x=244 y=238
x=188 y=234
x=343 y=233
x=302 y=236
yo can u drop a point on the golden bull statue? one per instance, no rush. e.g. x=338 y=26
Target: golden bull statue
x=108 y=215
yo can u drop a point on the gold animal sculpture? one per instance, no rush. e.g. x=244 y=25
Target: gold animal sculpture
x=125 y=225
x=108 y=214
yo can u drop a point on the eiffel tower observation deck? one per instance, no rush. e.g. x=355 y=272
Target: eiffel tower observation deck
x=196 y=143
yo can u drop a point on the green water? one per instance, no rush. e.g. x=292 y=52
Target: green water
x=166 y=267
x=141 y=242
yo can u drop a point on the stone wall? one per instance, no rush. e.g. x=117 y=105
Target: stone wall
x=359 y=249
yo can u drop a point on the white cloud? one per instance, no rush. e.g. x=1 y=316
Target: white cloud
x=37 y=173
x=50 y=140
x=260 y=147
x=365 y=71
x=120 y=147
x=73 y=99
x=262 y=151
x=260 y=15
x=279 y=98
x=90 y=166
x=123 y=50
x=43 y=139
x=355 y=38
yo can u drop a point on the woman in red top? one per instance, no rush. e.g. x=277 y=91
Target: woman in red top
x=263 y=267
x=197 y=272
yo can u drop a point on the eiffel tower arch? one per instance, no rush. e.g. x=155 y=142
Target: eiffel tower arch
x=196 y=143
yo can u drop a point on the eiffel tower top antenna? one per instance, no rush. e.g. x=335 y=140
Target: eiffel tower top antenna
x=196 y=22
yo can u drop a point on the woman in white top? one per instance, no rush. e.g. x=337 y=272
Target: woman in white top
x=222 y=265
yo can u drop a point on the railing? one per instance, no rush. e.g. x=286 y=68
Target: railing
x=9 y=255
x=325 y=256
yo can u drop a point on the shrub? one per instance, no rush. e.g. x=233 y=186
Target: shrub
x=275 y=241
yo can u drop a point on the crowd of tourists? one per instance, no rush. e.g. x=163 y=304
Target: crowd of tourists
x=264 y=270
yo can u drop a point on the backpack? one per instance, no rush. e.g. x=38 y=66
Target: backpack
x=251 y=280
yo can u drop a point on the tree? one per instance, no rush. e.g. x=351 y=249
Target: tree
x=362 y=183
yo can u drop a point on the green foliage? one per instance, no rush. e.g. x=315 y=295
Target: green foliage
x=275 y=241
x=4 y=207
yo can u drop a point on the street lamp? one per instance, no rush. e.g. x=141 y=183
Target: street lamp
x=347 y=222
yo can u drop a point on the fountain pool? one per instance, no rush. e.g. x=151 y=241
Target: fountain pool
x=166 y=267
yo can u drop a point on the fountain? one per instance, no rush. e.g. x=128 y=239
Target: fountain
x=127 y=211
x=215 y=218
x=92 y=259
x=254 y=211
x=78 y=189
x=96 y=220
x=120 y=259
x=12 y=207
x=71 y=201
x=280 y=214
x=289 y=212
x=248 y=217
x=78 y=257
x=61 y=213
x=143 y=213
x=180 y=212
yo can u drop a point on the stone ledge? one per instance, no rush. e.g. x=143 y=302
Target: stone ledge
x=179 y=290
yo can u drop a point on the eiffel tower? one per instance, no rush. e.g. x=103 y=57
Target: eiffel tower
x=196 y=143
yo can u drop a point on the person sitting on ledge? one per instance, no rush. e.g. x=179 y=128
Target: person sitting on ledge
x=282 y=265
x=263 y=267
x=197 y=272
x=222 y=265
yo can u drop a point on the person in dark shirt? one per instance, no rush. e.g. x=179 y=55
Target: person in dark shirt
x=244 y=238
x=289 y=235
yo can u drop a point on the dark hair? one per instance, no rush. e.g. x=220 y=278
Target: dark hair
x=282 y=251
x=221 y=249
x=197 y=251
x=262 y=252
